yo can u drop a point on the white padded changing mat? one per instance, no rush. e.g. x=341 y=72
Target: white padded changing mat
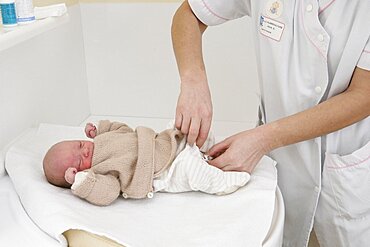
x=186 y=219
x=16 y=228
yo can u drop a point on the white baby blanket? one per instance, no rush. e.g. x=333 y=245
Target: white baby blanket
x=185 y=219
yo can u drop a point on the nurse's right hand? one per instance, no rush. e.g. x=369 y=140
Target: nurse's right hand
x=242 y=151
x=194 y=112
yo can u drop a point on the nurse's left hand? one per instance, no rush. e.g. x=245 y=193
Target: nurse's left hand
x=240 y=152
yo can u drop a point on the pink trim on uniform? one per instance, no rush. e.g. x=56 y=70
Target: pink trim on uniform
x=304 y=28
x=349 y=165
x=211 y=11
x=366 y=51
x=327 y=6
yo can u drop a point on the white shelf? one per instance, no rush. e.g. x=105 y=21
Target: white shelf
x=20 y=33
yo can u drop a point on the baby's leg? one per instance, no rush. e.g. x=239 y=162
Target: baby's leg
x=209 y=179
x=192 y=173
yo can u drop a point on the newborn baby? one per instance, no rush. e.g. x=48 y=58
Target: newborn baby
x=134 y=163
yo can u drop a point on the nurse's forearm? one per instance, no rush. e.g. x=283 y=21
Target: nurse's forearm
x=336 y=113
x=187 y=33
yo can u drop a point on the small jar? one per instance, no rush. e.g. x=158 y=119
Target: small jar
x=24 y=10
x=8 y=13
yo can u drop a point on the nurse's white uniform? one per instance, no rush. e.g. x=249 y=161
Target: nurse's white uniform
x=307 y=52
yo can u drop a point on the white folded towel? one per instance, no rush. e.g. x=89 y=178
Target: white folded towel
x=53 y=10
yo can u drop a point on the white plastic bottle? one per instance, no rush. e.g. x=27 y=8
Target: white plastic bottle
x=25 y=13
x=8 y=13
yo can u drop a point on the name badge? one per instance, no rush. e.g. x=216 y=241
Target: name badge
x=271 y=28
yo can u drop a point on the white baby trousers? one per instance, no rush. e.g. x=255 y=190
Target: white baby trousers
x=190 y=172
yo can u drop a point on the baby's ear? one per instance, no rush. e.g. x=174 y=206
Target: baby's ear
x=70 y=174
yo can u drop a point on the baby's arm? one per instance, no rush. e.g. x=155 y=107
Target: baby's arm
x=106 y=126
x=97 y=189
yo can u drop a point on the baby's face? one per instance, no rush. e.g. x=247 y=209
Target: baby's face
x=75 y=154
x=64 y=155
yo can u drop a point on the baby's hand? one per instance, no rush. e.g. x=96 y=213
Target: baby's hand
x=90 y=130
x=70 y=174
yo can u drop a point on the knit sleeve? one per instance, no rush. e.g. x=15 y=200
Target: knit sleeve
x=97 y=189
x=107 y=126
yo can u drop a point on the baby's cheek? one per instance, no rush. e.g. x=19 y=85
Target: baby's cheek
x=87 y=164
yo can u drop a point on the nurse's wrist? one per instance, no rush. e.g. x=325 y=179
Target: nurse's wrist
x=193 y=77
x=270 y=136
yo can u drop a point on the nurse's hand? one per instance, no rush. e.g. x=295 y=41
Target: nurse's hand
x=194 y=112
x=240 y=152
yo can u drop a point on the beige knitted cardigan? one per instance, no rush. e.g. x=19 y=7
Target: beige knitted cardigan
x=126 y=161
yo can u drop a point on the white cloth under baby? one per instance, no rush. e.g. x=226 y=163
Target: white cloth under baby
x=190 y=172
x=240 y=219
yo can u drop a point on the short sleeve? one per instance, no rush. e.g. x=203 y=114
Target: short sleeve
x=215 y=12
x=364 y=61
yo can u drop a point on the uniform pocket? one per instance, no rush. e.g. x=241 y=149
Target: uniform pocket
x=349 y=178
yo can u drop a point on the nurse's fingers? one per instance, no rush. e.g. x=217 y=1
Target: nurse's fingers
x=193 y=131
x=205 y=126
x=219 y=162
x=178 y=120
x=229 y=168
x=185 y=125
x=237 y=168
x=219 y=148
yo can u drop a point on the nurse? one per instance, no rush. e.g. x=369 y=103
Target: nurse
x=314 y=62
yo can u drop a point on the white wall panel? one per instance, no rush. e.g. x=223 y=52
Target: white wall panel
x=44 y=79
x=132 y=71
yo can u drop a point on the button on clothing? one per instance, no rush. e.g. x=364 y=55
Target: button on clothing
x=320 y=37
x=309 y=8
x=319 y=45
x=318 y=89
